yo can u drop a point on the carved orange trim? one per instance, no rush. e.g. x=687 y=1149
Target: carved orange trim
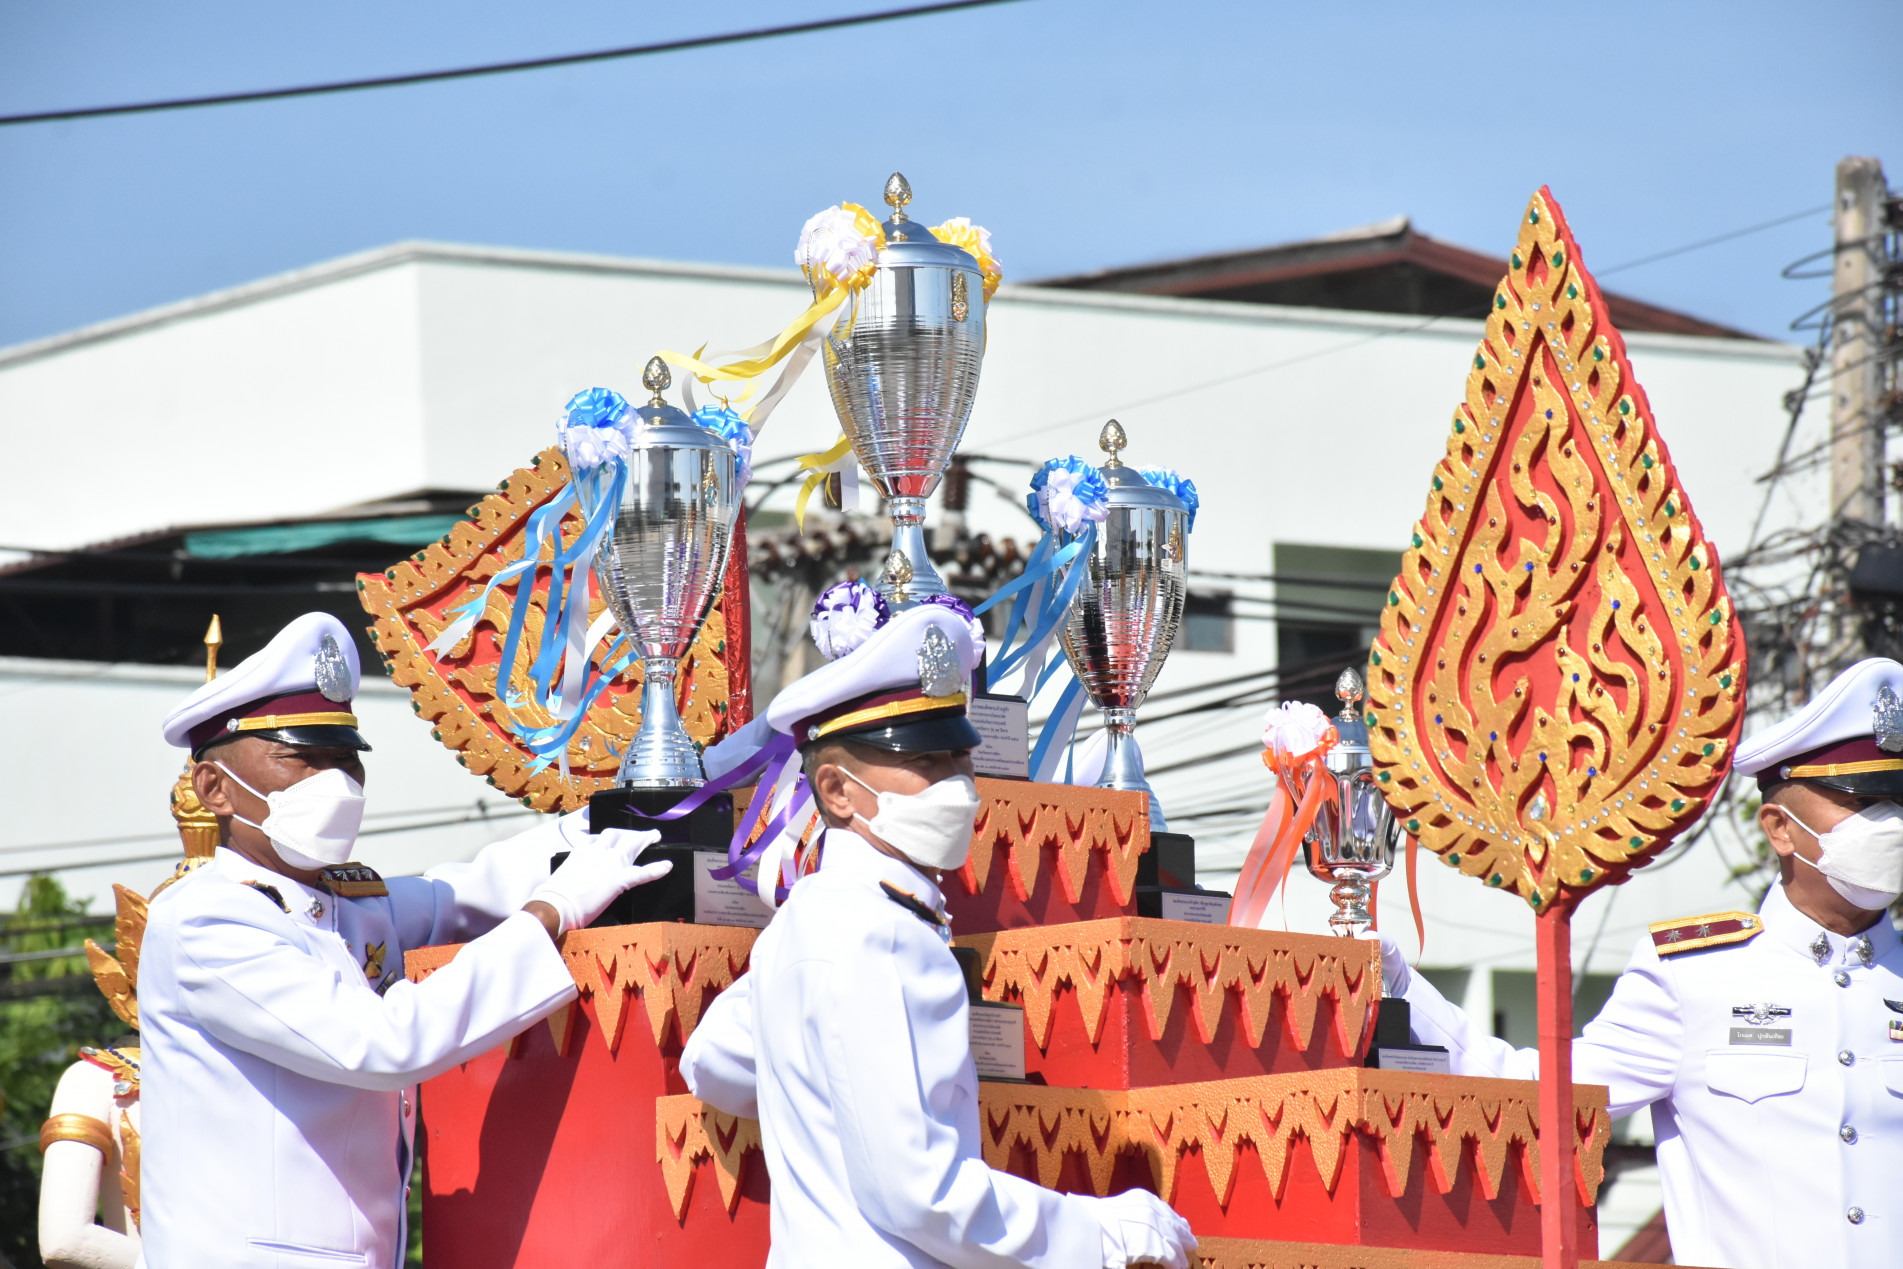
x=412 y=601
x=670 y=965
x=1268 y=1111
x=1217 y=962
x=1021 y=818
x=687 y=1131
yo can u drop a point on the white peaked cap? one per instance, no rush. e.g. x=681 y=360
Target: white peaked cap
x=300 y=686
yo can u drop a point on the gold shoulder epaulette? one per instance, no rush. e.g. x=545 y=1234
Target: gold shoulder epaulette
x=1688 y=934
x=352 y=881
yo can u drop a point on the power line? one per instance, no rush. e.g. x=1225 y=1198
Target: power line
x=1702 y=243
x=501 y=68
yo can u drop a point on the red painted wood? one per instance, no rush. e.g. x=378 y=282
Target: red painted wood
x=1000 y=906
x=1557 y=1170
x=1358 y=1212
x=541 y=1160
x=1126 y=1055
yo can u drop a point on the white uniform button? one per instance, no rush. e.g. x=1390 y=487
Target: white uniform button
x=1841 y=978
x=1854 y=1216
x=1847 y=1133
x=1846 y=1057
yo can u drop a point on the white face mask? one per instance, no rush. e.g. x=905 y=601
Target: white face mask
x=932 y=827
x=313 y=824
x=1862 y=858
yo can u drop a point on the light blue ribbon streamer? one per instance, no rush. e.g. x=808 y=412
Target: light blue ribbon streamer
x=1062 y=723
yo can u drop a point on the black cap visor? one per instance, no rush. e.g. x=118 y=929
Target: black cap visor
x=949 y=732
x=1864 y=784
x=323 y=736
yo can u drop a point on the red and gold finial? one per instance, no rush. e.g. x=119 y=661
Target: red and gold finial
x=1559 y=679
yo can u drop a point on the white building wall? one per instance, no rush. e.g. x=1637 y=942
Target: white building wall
x=432 y=367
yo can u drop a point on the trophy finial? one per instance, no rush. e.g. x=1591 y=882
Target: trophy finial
x=898 y=192
x=1348 y=690
x=1111 y=440
x=897 y=573
x=656 y=378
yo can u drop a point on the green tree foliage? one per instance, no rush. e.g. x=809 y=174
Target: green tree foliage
x=48 y=1009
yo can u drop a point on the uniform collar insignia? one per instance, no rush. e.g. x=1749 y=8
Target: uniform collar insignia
x=1760 y=1014
x=1896 y=1006
x=1820 y=947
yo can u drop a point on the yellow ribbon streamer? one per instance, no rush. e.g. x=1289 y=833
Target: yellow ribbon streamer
x=819 y=466
x=783 y=344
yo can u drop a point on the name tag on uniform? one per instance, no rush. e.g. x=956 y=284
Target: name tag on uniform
x=1775 y=1036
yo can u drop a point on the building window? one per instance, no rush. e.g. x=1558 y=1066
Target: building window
x=1327 y=613
x=1208 y=623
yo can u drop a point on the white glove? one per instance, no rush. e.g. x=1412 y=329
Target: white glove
x=599 y=867
x=1395 y=975
x=1140 y=1228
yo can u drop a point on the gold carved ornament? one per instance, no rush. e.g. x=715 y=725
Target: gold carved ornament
x=413 y=601
x=117 y=971
x=1022 y=818
x=670 y=966
x=1558 y=682
x=1215 y=963
x=1493 y=1123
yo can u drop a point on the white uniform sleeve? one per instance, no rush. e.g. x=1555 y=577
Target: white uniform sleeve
x=70 y=1235
x=256 y=989
x=1633 y=1046
x=453 y=903
x=895 y=1034
x=718 y=1060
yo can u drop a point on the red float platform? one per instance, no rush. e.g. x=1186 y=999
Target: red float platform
x=1317 y=1156
x=1134 y=1002
x=1047 y=854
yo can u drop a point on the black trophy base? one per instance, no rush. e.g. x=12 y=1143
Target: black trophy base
x=1393 y=1047
x=1170 y=861
x=708 y=826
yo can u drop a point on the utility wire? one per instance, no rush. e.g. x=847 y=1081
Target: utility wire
x=1702 y=243
x=499 y=68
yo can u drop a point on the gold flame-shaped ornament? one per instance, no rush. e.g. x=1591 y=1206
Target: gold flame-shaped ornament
x=1559 y=679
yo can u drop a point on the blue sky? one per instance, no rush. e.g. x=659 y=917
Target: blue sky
x=1082 y=134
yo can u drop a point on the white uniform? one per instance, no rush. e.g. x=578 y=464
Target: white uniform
x=1786 y=1154
x=278 y=1082
x=868 y=1100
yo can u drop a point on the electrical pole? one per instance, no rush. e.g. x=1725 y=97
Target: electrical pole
x=1856 y=430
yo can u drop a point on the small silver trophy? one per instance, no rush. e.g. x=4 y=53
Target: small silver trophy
x=902 y=362
x=1353 y=840
x=660 y=567
x=1120 y=626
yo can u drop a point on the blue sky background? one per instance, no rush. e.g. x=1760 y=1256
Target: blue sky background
x=1082 y=134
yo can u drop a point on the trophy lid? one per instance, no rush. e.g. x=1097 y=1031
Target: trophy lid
x=666 y=425
x=1127 y=486
x=908 y=242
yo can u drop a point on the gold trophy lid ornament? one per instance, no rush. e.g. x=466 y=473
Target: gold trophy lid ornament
x=657 y=378
x=898 y=192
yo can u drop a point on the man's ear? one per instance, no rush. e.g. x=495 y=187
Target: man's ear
x=212 y=789
x=829 y=790
x=1776 y=823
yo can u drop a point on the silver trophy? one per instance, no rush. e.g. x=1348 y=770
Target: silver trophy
x=1120 y=626
x=902 y=362
x=1353 y=840
x=660 y=568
